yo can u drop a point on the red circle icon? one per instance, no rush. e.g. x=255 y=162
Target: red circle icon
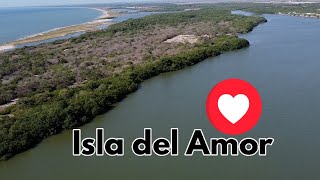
x=234 y=106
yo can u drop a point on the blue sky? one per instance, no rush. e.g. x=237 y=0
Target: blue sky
x=18 y=3
x=15 y=3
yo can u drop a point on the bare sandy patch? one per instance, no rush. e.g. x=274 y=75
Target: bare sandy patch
x=183 y=39
x=12 y=103
x=6 y=47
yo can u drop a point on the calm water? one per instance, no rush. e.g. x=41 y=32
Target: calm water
x=18 y=23
x=131 y=14
x=282 y=63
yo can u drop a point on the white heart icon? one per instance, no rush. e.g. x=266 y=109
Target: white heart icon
x=233 y=108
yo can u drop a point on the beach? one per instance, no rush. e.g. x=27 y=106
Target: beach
x=103 y=20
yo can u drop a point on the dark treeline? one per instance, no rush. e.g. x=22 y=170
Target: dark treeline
x=269 y=8
x=259 y=8
x=41 y=114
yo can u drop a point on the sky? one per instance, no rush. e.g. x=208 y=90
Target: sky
x=16 y=3
x=19 y=3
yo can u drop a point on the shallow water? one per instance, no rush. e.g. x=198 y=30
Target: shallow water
x=42 y=19
x=282 y=63
x=18 y=23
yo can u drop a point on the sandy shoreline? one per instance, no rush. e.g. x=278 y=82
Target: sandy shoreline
x=103 y=19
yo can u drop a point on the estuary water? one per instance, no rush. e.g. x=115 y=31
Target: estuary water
x=21 y=22
x=282 y=63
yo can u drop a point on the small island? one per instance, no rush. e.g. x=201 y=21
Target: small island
x=65 y=84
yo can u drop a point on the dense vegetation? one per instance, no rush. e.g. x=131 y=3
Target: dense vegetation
x=65 y=84
x=259 y=8
x=101 y=54
x=273 y=8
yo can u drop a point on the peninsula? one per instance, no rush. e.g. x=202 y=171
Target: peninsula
x=103 y=20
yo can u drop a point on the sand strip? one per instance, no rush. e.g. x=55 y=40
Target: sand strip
x=104 y=19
